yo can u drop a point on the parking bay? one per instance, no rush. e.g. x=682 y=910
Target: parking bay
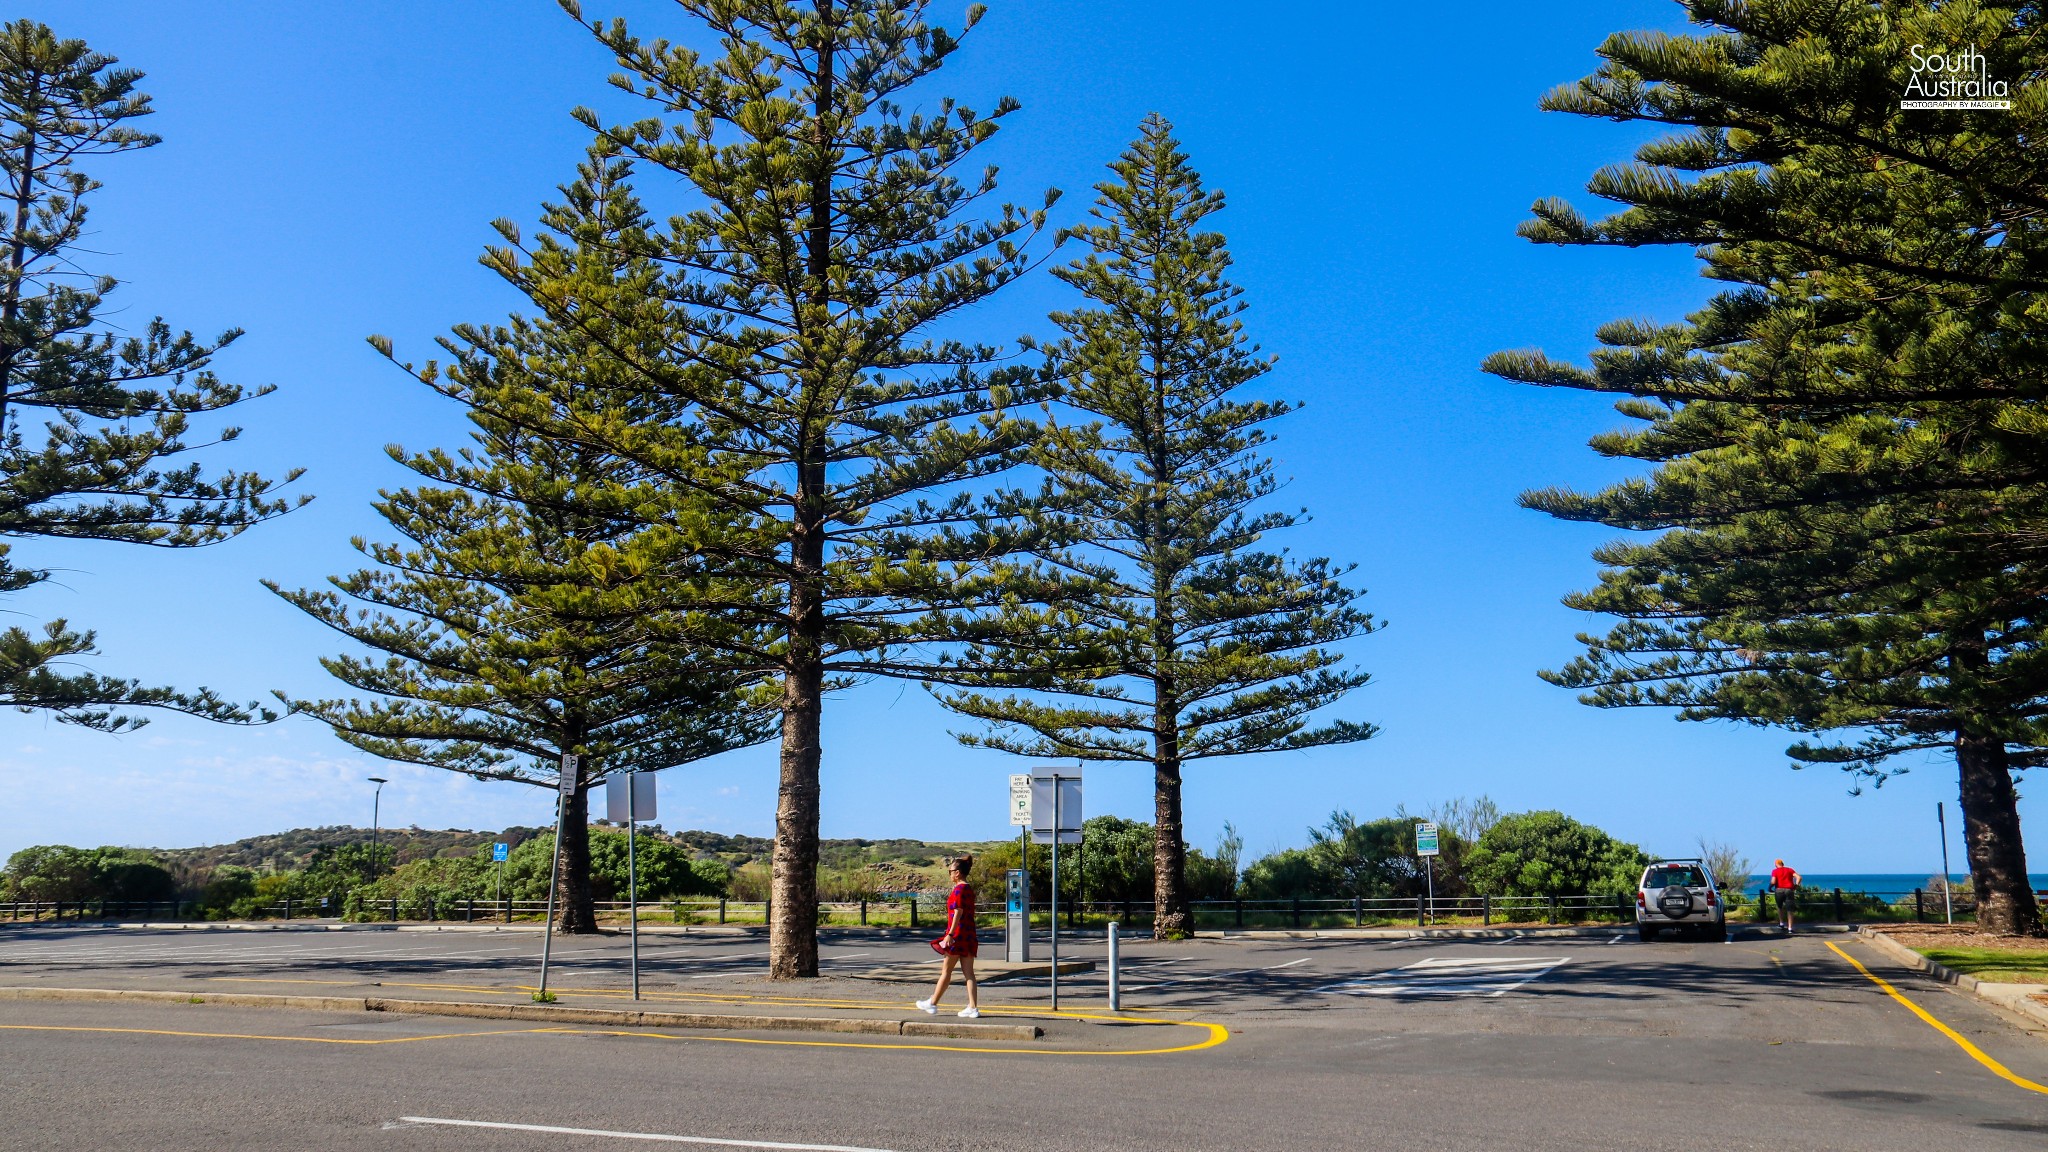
x=1542 y=1042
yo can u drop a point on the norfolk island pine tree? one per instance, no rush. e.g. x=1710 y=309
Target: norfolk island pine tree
x=810 y=402
x=1184 y=640
x=61 y=104
x=1853 y=443
x=533 y=615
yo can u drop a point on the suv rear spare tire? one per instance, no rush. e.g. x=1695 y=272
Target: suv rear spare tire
x=1675 y=902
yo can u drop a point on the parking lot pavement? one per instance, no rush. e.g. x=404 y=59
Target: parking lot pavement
x=1575 y=1043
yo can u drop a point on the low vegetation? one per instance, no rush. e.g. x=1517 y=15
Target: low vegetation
x=1530 y=856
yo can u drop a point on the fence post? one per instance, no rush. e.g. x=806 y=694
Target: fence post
x=768 y=911
x=1421 y=912
x=1838 y=906
x=863 y=911
x=913 y=911
x=1486 y=910
x=1297 y=911
x=287 y=907
x=394 y=909
x=1919 y=909
x=469 y=910
x=1553 y=907
x=1239 y=901
x=721 y=909
x=1357 y=910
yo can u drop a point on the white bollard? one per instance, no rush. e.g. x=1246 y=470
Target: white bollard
x=1115 y=974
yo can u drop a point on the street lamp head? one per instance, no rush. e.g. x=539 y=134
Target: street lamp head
x=378 y=780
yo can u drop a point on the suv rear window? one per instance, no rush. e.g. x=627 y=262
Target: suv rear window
x=1665 y=875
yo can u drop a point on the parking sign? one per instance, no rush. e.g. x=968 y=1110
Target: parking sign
x=499 y=851
x=1425 y=839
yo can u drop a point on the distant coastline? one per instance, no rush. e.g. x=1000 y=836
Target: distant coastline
x=1882 y=882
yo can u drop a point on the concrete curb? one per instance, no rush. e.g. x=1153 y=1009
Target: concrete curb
x=2012 y=997
x=549 y=1013
x=1560 y=932
x=196 y=925
x=381 y=926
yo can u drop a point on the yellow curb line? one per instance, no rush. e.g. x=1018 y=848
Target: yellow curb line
x=1975 y=1052
x=1218 y=1035
x=260 y=1036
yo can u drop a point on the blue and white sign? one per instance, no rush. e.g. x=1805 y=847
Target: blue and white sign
x=499 y=851
x=1425 y=839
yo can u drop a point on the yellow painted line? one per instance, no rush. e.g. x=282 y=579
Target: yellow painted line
x=1217 y=1035
x=259 y=1036
x=1975 y=1052
x=525 y=990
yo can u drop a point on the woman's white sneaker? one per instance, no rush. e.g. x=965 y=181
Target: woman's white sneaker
x=927 y=1007
x=970 y=1013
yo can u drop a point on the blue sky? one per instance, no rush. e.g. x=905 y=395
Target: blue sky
x=330 y=170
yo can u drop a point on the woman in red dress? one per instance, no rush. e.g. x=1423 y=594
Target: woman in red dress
x=958 y=945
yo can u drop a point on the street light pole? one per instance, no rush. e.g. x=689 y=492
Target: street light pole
x=376 y=804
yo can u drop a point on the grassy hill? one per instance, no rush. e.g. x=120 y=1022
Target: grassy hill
x=281 y=851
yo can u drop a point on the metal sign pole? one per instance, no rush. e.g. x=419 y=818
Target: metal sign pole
x=567 y=786
x=632 y=882
x=1429 y=877
x=1116 y=999
x=1055 y=891
x=1948 y=903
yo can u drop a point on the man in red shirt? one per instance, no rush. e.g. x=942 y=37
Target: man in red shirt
x=1785 y=886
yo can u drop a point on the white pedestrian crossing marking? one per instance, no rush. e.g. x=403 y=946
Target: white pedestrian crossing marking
x=1449 y=976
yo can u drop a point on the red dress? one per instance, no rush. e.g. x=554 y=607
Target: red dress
x=959 y=923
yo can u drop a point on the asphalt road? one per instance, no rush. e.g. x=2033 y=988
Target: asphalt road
x=1579 y=1043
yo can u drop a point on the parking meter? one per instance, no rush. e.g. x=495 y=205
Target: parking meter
x=1017 y=917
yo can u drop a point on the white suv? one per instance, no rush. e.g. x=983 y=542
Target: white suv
x=1680 y=894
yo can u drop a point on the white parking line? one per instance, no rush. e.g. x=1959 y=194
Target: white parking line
x=1484 y=962
x=1449 y=976
x=1216 y=975
x=659 y=1137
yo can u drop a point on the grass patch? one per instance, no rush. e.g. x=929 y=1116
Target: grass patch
x=1995 y=964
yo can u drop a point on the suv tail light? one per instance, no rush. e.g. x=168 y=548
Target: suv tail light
x=1711 y=901
x=1640 y=901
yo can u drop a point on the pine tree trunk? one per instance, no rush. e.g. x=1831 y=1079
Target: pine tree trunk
x=1172 y=916
x=574 y=914
x=1991 y=836
x=793 y=931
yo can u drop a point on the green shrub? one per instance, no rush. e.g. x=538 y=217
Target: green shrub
x=1287 y=874
x=1551 y=854
x=61 y=872
x=230 y=886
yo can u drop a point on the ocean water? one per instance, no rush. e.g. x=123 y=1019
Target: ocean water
x=1880 y=882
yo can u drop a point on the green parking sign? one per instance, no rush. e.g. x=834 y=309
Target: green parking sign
x=1425 y=839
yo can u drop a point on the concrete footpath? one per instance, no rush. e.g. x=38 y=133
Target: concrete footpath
x=555 y=1013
